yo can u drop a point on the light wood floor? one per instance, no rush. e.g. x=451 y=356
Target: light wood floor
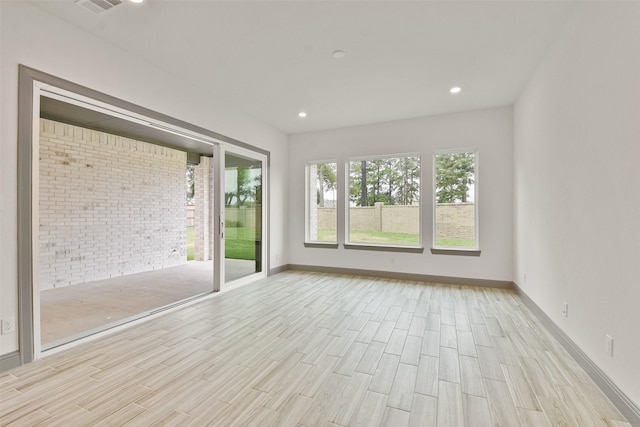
x=318 y=350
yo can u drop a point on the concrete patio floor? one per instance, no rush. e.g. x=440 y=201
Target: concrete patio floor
x=72 y=310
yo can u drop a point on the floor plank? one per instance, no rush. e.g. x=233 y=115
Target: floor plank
x=423 y=411
x=450 y=407
x=404 y=384
x=476 y=411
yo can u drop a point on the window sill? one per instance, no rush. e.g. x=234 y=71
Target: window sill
x=463 y=252
x=328 y=245
x=411 y=249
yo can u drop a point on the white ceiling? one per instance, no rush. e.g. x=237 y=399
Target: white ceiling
x=273 y=59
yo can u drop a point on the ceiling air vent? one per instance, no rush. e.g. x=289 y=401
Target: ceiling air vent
x=98 y=6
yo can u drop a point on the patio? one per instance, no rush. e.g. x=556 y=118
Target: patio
x=72 y=310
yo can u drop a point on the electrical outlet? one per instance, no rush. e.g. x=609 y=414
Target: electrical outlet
x=565 y=309
x=8 y=325
x=608 y=345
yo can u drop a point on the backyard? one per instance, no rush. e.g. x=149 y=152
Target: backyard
x=365 y=236
x=239 y=243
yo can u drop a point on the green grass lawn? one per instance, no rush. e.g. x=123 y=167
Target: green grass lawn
x=386 y=238
x=240 y=243
x=191 y=243
x=454 y=242
x=404 y=239
x=327 y=236
x=394 y=239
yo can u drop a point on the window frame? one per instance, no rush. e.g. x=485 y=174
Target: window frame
x=451 y=250
x=307 y=206
x=348 y=244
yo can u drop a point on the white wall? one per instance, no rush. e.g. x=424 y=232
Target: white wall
x=33 y=38
x=577 y=185
x=490 y=130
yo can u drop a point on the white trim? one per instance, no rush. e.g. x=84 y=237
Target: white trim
x=35 y=219
x=385 y=156
x=47 y=90
x=346 y=207
x=217 y=208
x=320 y=162
x=307 y=202
x=250 y=154
x=68 y=97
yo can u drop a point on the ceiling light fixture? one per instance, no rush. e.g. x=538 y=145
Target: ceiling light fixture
x=136 y=1
x=455 y=89
x=338 y=54
x=302 y=114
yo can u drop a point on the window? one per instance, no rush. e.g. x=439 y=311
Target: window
x=321 y=202
x=384 y=201
x=456 y=201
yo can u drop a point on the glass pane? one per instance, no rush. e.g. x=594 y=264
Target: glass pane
x=322 y=219
x=243 y=216
x=455 y=220
x=384 y=201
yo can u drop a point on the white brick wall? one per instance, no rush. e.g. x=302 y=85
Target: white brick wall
x=109 y=206
x=203 y=187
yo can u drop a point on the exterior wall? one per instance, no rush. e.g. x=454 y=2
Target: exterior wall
x=365 y=218
x=400 y=219
x=326 y=219
x=191 y=215
x=455 y=220
x=203 y=177
x=109 y=206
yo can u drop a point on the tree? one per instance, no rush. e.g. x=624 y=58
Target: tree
x=244 y=187
x=244 y=190
x=392 y=181
x=326 y=180
x=228 y=197
x=454 y=176
x=407 y=179
x=190 y=182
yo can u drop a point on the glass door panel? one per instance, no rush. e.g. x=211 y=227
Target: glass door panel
x=243 y=235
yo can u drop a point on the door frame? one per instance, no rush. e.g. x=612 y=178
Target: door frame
x=264 y=159
x=30 y=82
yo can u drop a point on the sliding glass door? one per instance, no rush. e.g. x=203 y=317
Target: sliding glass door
x=244 y=214
x=107 y=232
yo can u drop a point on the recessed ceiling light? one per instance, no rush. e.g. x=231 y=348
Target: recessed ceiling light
x=136 y=1
x=338 y=54
x=302 y=114
x=455 y=89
